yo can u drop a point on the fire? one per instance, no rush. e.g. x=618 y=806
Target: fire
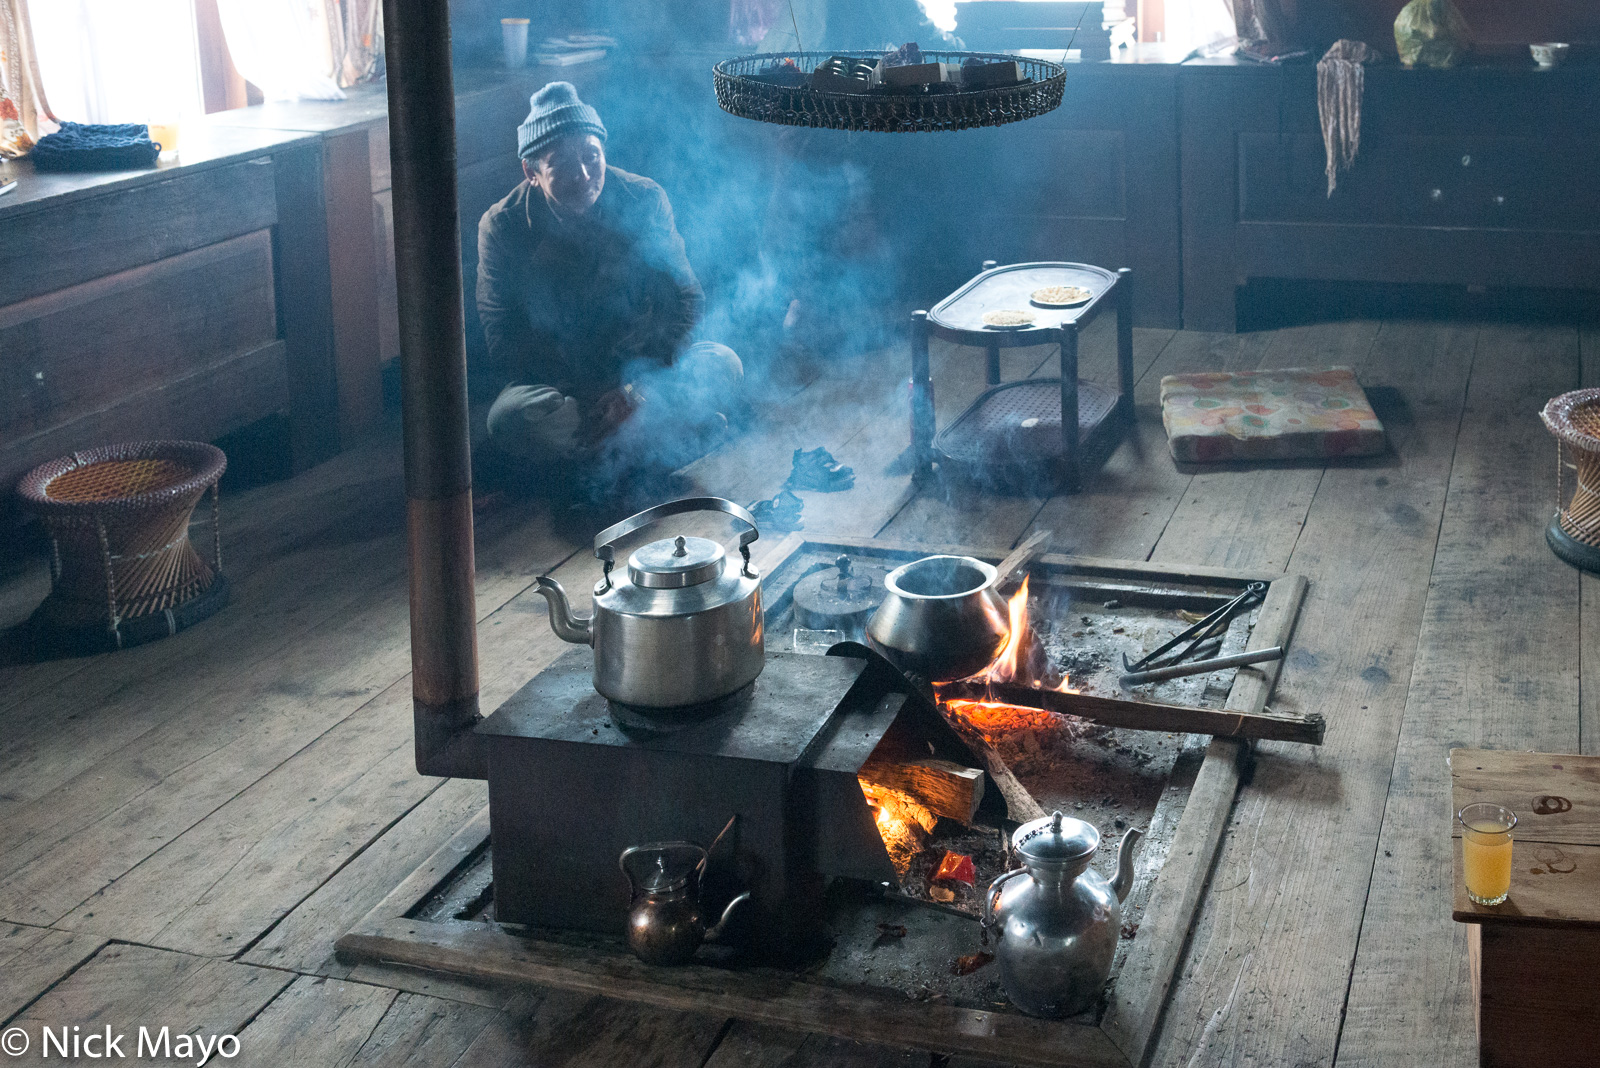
x=1015 y=663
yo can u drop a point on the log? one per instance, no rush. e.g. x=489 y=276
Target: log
x=1148 y=715
x=944 y=788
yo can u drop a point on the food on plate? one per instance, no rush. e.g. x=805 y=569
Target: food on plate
x=1061 y=296
x=1008 y=317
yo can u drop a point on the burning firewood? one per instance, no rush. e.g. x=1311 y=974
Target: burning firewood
x=944 y=788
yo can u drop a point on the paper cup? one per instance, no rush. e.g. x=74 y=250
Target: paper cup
x=514 y=36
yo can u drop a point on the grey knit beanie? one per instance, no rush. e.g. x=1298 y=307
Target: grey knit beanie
x=556 y=111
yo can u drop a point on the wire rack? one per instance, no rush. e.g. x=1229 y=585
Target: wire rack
x=740 y=91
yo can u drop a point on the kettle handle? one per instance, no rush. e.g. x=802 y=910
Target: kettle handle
x=605 y=541
x=991 y=894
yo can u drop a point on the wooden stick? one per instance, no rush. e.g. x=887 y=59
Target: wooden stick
x=1147 y=715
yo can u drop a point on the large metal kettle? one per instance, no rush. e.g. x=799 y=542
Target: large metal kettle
x=1055 y=921
x=685 y=628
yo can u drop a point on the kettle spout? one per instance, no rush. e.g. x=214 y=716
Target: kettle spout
x=715 y=934
x=1124 y=880
x=569 y=628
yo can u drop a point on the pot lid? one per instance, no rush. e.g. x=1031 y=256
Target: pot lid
x=661 y=866
x=842 y=591
x=1055 y=839
x=673 y=563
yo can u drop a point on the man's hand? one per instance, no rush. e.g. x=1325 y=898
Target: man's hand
x=609 y=412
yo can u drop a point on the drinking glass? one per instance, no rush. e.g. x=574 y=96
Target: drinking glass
x=1486 y=851
x=165 y=134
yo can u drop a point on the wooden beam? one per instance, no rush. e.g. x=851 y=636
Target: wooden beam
x=1148 y=715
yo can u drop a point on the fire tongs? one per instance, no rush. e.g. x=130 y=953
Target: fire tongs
x=1210 y=627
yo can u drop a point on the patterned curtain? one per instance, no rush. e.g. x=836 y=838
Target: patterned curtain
x=1260 y=20
x=22 y=102
x=355 y=39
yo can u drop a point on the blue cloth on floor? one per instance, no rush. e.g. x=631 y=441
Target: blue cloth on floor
x=83 y=147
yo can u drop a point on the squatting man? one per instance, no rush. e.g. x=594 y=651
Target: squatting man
x=588 y=303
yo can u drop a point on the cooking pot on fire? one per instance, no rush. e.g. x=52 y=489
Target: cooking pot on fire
x=684 y=628
x=942 y=617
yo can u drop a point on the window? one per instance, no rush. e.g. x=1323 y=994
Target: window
x=112 y=61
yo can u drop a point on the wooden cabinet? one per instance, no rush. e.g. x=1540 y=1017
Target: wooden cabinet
x=174 y=303
x=1476 y=176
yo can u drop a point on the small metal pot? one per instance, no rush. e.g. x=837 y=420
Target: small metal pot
x=941 y=618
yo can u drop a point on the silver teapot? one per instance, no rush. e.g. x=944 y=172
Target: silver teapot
x=1055 y=922
x=686 y=626
x=665 y=925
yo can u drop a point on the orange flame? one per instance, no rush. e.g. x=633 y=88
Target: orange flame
x=994 y=718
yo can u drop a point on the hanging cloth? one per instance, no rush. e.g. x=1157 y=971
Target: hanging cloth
x=1340 y=84
x=22 y=101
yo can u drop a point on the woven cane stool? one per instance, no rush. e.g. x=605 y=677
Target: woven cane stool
x=123 y=570
x=1574 y=531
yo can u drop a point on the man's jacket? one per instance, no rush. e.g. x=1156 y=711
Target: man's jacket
x=573 y=303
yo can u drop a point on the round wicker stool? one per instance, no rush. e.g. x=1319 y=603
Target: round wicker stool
x=123 y=570
x=1574 y=531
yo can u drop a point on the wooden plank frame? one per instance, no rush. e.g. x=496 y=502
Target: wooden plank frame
x=1126 y=1031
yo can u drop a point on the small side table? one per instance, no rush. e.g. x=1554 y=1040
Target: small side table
x=1535 y=958
x=1016 y=419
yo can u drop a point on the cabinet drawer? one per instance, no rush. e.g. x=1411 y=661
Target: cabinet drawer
x=80 y=350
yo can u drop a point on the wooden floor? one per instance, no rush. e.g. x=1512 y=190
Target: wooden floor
x=186 y=827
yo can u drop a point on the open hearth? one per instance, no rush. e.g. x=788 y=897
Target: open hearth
x=813 y=850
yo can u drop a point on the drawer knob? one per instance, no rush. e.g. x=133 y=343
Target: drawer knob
x=38 y=376
x=1499 y=200
x=1466 y=161
x=1436 y=194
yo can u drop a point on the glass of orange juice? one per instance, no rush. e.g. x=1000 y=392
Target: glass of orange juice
x=165 y=134
x=1486 y=851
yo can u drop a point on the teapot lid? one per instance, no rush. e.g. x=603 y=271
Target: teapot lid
x=1055 y=839
x=660 y=867
x=673 y=563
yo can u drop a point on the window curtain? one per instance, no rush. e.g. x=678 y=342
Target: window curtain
x=23 y=108
x=111 y=61
x=285 y=47
x=355 y=38
x=1260 y=20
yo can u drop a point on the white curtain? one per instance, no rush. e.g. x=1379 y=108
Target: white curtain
x=284 y=47
x=111 y=61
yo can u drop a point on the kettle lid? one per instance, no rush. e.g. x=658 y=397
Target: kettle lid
x=674 y=563
x=1055 y=839
x=661 y=867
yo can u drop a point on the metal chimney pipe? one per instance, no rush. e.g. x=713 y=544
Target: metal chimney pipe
x=433 y=389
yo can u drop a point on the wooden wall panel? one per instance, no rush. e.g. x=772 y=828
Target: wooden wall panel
x=352 y=259
x=49 y=250
x=76 y=351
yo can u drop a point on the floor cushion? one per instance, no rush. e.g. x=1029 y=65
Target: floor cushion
x=1268 y=415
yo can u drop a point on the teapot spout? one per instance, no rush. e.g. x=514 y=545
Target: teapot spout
x=715 y=934
x=569 y=628
x=1124 y=880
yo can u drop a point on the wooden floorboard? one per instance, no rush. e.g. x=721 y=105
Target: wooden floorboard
x=1263 y=980
x=1496 y=667
x=125 y=987
x=314 y=1023
x=33 y=959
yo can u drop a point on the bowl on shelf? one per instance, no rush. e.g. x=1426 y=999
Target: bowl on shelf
x=1549 y=54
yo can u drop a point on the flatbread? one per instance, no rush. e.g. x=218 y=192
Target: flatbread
x=1008 y=318
x=1061 y=296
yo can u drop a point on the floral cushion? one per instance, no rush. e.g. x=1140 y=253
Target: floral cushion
x=1268 y=415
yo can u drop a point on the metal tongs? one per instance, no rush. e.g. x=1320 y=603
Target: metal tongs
x=1208 y=628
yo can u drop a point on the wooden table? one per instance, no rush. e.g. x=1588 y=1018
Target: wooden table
x=1535 y=958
